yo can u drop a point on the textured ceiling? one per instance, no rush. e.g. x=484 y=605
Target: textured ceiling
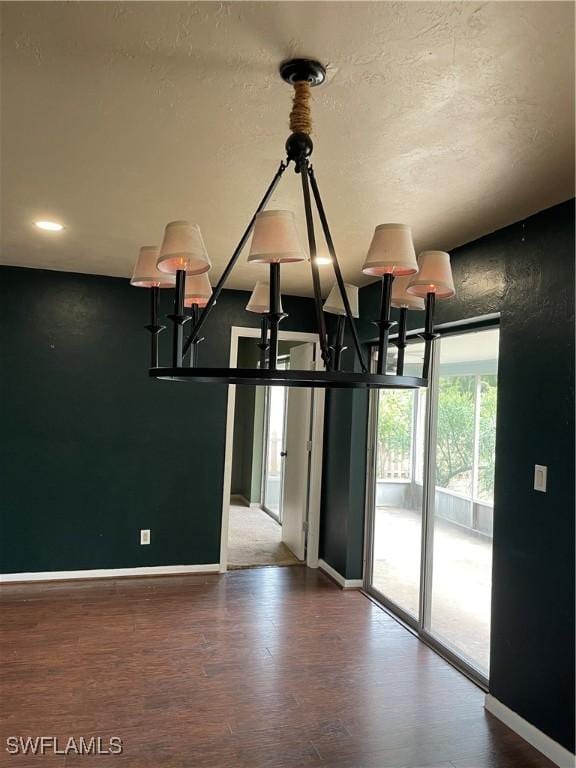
x=456 y=118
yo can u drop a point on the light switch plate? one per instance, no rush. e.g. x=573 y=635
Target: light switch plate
x=540 y=477
x=145 y=536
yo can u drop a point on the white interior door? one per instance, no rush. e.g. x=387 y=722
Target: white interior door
x=297 y=458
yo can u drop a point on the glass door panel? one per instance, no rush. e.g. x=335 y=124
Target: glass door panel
x=397 y=531
x=429 y=540
x=461 y=510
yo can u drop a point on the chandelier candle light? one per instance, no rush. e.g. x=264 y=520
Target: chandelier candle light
x=147 y=275
x=259 y=303
x=197 y=291
x=335 y=306
x=433 y=281
x=182 y=262
x=403 y=301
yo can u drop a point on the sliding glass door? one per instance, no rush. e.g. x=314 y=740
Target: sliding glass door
x=429 y=542
x=461 y=511
x=399 y=454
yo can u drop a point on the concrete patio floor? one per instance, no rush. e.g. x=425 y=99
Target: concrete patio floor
x=461 y=578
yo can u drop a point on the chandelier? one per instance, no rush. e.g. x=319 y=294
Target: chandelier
x=182 y=264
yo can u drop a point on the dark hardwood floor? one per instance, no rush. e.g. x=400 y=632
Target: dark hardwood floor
x=265 y=667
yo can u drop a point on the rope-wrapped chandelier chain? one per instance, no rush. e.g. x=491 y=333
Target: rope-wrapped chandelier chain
x=302 y=75
x=301 y=114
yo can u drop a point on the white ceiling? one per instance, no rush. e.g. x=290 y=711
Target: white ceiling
x=118 y=117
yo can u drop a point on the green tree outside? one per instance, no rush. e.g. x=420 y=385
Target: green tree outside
x=455 y=431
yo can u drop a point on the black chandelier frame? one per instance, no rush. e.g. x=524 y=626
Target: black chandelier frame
x=185 y=351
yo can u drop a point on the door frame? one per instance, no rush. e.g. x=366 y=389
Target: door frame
x=418 y=625
x=315 y=476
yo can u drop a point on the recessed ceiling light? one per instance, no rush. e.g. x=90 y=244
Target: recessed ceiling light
x=322 y=261
x=49 y=226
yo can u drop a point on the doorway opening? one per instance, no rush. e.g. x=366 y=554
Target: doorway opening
x=430 y=496
x=273 y=461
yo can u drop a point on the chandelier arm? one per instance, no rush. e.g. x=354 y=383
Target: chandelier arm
x=274 y=316
x=401 y=341
x=337 y=271
x=320 y=319
x=384 y=323
x=230 y=266
x=194 y=345
x=178 y=319
x=153 y=326
x=154 y=305
x=429 y=336
x=339 y=341
x=263 y=344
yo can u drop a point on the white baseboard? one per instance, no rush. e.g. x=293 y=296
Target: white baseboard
x=238 y=498
x=109 y=573
x=338 y=578
x=544 y=744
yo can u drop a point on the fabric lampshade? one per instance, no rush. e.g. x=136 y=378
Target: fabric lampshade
x=334 y=304
x=435 y=276
x=275 y=239
x=403 y=300
x=391 y=251
x=260 y=299
x=183 y=248
x=197 y=290
x=146 y=274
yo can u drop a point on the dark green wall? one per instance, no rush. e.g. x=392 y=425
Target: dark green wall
x=343 y=478
x=525 y=272
x=92 y=450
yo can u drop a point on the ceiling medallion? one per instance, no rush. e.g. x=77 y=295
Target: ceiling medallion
x=182 y=263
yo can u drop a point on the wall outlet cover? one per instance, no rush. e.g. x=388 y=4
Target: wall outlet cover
x=540 y=477
x=145 y=536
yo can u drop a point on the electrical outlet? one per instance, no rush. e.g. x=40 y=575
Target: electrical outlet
x=540 y=477
x=145 y=536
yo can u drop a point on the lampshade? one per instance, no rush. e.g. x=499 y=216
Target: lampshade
x=146 y=275
x=334 y=304
x=197 y=290
x=435 y=276
x=275 y=240
x=260 y=298
x=403 y=300
x=183 y=248
x=391 y=251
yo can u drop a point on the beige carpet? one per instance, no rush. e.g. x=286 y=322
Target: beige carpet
x=255 y=539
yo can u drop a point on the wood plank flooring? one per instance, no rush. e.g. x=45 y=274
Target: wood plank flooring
x=269 y=667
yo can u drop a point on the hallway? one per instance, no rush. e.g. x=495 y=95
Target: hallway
x=254 y=538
